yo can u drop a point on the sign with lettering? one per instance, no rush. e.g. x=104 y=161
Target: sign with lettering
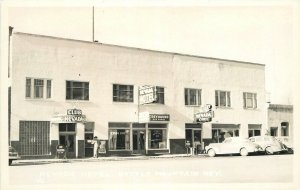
x=145 y=117
x=73 y=116
x=147 y=94
x=159 y=117
x=206 y=115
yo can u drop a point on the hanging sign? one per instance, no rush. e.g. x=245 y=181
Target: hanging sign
x=206 y=115
x=147 y=94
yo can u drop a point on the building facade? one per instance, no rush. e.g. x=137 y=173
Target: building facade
x=65 y=92
x=280 y=122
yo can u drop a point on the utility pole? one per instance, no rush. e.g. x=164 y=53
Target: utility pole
x=93 y=25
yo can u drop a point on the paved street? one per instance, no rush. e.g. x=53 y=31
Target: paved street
x=274 y=168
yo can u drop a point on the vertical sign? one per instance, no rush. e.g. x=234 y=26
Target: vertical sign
x=147 y=94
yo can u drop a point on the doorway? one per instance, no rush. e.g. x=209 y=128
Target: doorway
x=67 y=138
x=138 y=138
x=193 y=136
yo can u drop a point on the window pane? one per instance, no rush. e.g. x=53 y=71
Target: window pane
x=193 y=96
x=157 y=138
x=228 y=99
x=28 y=88
x=122 y=93
x=77 y=90
x=119 y=139
x=217 y=98
x=222 y=98
x=48 y=88
x=38 y=88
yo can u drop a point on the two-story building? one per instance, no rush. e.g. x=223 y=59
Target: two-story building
x=65 y=92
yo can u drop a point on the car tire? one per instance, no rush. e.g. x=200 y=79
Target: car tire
x=10 y=161
x=211 y=153
x=290 y=151
x=269 y=150
x=244 y=152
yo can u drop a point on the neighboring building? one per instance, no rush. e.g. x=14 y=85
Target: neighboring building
x=280 y=121
x=68 y=91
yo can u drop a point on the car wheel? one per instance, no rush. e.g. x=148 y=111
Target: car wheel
x=244 y=152
x=269 y=150
x=211 y=153
x=10 y=161
x=290 y=151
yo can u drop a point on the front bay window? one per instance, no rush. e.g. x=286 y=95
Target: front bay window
x=119 y=136
x=157 y=136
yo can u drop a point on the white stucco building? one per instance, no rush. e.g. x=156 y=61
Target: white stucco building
x=67 y=91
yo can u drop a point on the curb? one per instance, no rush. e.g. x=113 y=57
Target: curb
x=103 y=159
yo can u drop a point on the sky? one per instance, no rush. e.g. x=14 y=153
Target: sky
x=259 y=34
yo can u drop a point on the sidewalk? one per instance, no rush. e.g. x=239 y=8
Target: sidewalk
x=110 y=158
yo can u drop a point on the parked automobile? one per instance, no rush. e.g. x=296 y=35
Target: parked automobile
x=232 y=145
x=288 y=145
x=12 y=155
x=269 y=144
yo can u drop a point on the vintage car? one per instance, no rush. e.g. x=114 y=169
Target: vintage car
x=232 y=145
x=269 y=144
x=288 y=145
x=12 y=155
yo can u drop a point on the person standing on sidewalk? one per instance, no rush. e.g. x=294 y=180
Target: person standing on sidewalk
x=96 y=145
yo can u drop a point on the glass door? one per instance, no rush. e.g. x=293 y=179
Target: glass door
x=138 y=137
x=69 y=142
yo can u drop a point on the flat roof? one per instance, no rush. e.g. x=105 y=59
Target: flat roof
x=158 y=51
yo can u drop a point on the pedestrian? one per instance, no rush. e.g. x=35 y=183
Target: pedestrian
x=96 y=145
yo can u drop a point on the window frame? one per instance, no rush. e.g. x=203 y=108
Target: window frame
x=218 y=99
x=187 y=96
x=83 y=89
x=118 y=91
x=253 y=99
x=30 y=88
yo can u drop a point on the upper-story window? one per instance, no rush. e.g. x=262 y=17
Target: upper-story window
x=38 y=88
x=222 y=98
x=77 y=90
x=250 y=100
x=192 y=96
x=122 y=93
x=160 y=92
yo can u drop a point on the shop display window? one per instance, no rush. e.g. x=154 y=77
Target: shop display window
x=119 y=139
x=157 y=138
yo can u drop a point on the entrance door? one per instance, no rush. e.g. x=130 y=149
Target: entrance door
x=69 y=142
x=194 y=137
x=138 y=141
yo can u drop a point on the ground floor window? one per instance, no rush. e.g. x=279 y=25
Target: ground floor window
x=254 y=130
x=157 y=136
x=119 y=136
x=284 y=129
x=219 y=135
x=34 y=138
x=274 y=131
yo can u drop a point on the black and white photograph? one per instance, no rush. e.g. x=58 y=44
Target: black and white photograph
x=149 y=95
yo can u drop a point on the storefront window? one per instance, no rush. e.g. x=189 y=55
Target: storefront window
x=119 y=139
x=219 y=135
x=157 y=138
